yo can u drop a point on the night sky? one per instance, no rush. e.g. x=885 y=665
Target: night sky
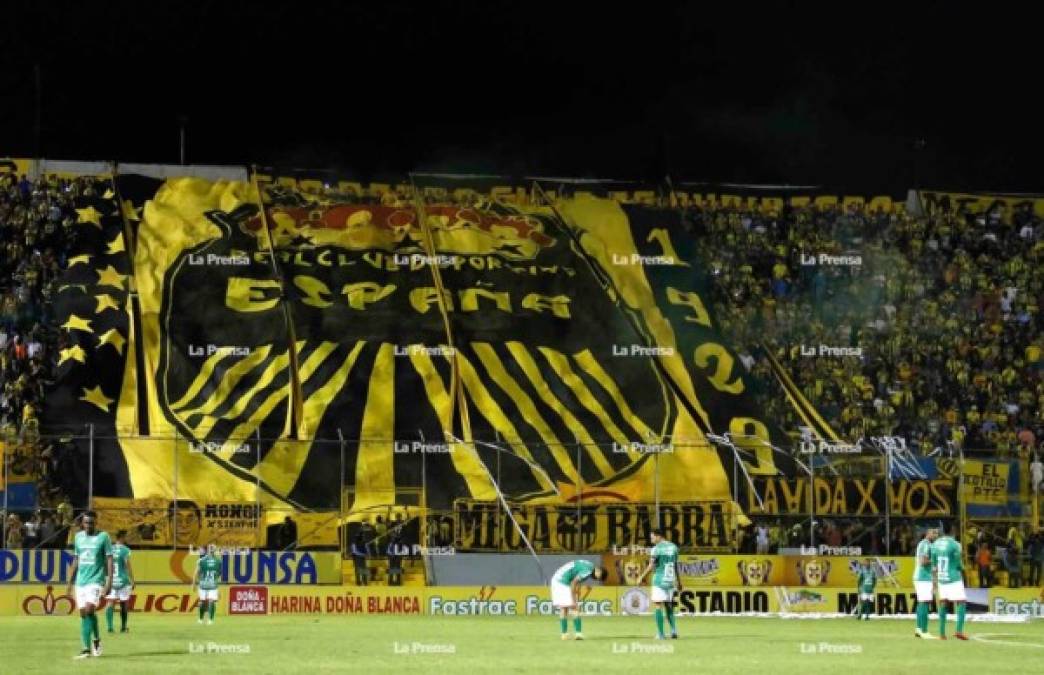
x=866 y=98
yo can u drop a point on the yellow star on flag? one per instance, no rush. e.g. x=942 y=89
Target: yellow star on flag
x=110 y=277
x=76 y=323
x=75 y=353
x=89 y=215
x=109 y=194
x=105 y=301
x=116 y=245
x=129 y=211
x=78 y=259
x=97 y=397
x=112 y=337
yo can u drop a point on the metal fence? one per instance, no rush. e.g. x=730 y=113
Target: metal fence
x=318 y=493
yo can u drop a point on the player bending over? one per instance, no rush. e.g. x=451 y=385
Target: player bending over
x=666 y=581
x=922 y=581
x=946 y=560
x=92 y=570
x=866 y=582
x=565 y=592
x=122 y=582
x=207 y=576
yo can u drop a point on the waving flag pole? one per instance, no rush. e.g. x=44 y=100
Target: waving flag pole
x=504 y=503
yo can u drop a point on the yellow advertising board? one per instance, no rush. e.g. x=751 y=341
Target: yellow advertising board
x=1017 y=601
x=508 y=601
x=154 y=521
x=343 y=600
x=513 y=600
x=985 y=482
x=763 y=570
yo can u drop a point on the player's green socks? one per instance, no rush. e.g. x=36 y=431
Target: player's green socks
x=564 y=622
x=576 y=623
x=94 y=626
x=108 y=618
x=202 y=610
x=961 y=610
x=85 y=632
x=922 y=617
x=659 y=621
x=123 y=616
x=212 y=606
x=670 y=616
x=942 y=619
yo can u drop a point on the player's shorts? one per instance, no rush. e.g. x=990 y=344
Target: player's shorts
x=868 y=597
x=208 y=594
x=562 y=595
x=89 y=594
x=952 y=591
x=122 y=594
x=924 y=591
x=659 y=594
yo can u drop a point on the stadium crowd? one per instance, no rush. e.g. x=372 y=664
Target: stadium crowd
x=928 y=328
x=925 y=328
x=37 y=230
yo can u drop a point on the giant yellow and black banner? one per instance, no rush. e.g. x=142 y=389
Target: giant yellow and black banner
x=262 y=342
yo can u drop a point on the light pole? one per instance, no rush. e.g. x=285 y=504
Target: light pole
x=182 y=122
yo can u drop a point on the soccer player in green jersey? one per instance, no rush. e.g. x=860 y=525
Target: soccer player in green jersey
x=207 y=577
x=92 y=571
x=565 y=592
x=946 y=561
x=923 y=582
x=666 y=580
x=866 y=582
x=122 y=581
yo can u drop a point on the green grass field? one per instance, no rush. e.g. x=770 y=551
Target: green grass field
x=279 y=645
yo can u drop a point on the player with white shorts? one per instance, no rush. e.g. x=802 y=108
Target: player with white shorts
x=565 y=589
x=88 y=595
x=119 y=594
x=923 y=582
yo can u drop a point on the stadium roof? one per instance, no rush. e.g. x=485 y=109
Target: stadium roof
x=889 y=97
